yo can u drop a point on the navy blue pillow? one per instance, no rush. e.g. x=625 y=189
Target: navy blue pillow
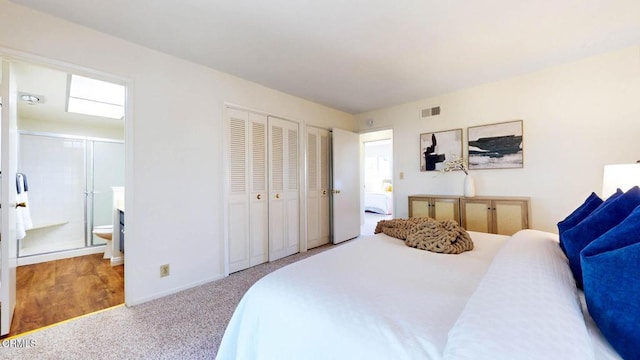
x=590 y=204
x=605 y=217
x=611 y=285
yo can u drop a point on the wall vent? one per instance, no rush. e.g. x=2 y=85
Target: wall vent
x=431 y=111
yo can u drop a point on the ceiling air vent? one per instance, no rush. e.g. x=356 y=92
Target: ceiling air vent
x=431 y=111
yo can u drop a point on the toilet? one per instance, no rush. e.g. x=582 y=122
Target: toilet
x=105 y=232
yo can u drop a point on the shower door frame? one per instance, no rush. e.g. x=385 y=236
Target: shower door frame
x=89 y=196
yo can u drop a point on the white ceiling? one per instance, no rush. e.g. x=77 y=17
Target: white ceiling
x=360 y=55
x=51 y=86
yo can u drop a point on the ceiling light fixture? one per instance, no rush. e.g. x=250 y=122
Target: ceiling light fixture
x=30 y=99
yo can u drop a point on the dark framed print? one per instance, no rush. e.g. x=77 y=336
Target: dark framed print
x=495 y=146
x=438 y=147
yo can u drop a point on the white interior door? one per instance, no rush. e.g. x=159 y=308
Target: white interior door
x=317 y=187
x=345 y=152
x=238 y=234
x=247 y=189
x=9 y=145
x=284 y=200
x=259 y=205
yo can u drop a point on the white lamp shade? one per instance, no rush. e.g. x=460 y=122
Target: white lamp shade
x=622 y=176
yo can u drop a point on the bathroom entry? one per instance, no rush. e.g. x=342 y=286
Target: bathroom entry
x=70 y=147
x=71 y=150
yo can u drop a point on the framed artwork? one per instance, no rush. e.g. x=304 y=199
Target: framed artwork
x=438 y=147
x=495 y=146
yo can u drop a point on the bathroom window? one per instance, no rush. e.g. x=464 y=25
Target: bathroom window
x=95 y=97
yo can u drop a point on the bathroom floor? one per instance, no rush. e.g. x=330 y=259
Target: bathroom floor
x=50 y=292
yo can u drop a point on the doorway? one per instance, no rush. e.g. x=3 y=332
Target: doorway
x=71 y=157
x=377 y=175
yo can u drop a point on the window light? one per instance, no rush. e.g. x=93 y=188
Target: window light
x=95 y=97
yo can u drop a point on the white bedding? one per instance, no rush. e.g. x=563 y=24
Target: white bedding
x=526 y=304
x=378 y=202
x=371 y=298
x=376 y=298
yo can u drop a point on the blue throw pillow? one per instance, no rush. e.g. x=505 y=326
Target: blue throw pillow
x=605 y=217
x=590 y=204
x=611 y=285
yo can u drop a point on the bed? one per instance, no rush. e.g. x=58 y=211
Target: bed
x=379 y=203
x=376 y=298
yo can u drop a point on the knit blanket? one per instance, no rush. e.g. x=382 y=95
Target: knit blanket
x=446 y=237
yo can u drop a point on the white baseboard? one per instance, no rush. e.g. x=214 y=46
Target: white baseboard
x=135 y=302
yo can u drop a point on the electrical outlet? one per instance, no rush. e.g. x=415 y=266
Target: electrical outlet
x=164 y=270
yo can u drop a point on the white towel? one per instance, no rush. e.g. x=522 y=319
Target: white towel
x=23 y=214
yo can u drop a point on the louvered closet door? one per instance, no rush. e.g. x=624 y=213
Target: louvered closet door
x=238 y=189
x=284 y=223
x=317 y=152
x=248 y=203
x=259 y=205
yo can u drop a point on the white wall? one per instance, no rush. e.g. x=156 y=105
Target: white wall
x=174 y=204
x=577 y=117
x=58 y=127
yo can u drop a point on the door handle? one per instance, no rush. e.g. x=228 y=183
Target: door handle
x=258 y=197
x=336 y=191
x=277 y=196
x=20 y=204
x=324 y=192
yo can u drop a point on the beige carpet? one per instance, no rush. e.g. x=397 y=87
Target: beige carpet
x=186 y=325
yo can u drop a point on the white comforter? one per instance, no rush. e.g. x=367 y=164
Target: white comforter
x=372 y=298
x=376 y=298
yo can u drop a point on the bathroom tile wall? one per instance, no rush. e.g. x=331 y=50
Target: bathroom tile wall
x=55 y=169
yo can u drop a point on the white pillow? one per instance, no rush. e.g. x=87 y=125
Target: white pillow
x=526 y=307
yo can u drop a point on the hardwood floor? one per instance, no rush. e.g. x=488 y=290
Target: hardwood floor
x=54 y=291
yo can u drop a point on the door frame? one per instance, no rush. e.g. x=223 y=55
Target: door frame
x=8 y=248
x=19 y=56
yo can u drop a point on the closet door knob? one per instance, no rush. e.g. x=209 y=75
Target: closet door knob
x=258 y=197
x=324 y=192
x=277 y=196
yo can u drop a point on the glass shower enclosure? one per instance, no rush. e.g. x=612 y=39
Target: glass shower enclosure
x=70 y=180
